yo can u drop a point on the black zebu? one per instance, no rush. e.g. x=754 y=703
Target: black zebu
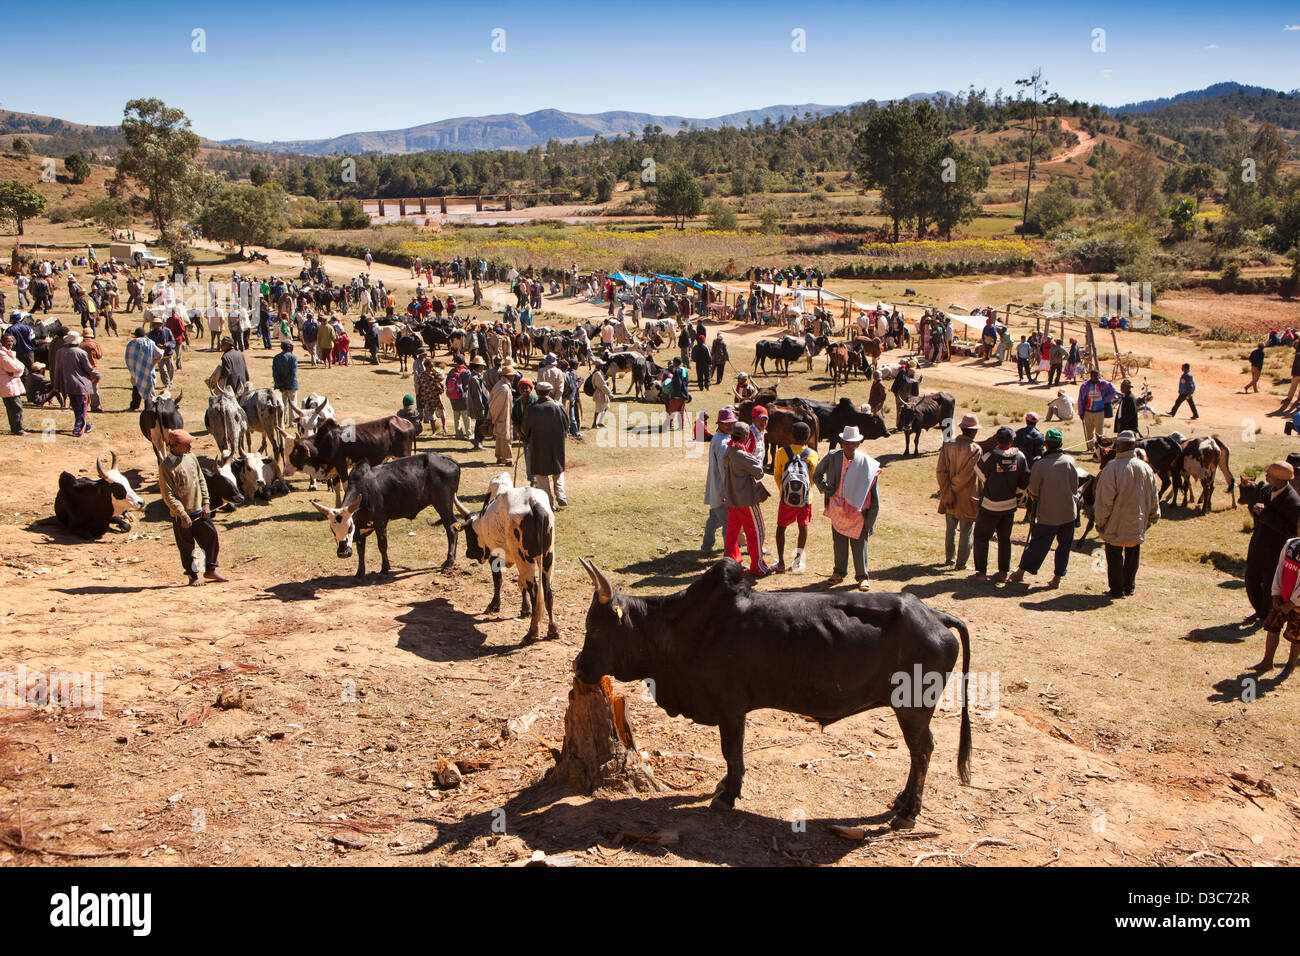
x=834 y=418
x=719 y=649
x=929 y=411
x=396 y=489
x=782 y=351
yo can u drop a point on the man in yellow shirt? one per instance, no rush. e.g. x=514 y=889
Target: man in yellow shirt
x=793 y=467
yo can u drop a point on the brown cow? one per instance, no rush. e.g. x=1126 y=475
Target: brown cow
x=780 y=425
x=837 y=363
x=869 y=347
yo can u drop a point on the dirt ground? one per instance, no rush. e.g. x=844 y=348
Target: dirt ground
x=297 y=716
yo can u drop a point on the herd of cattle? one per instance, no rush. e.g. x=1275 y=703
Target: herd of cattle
x=715 y=650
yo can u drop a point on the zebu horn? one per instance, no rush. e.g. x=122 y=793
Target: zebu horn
x=327 y=512
x=603 y=589
x=99 y=467
x=113 y=463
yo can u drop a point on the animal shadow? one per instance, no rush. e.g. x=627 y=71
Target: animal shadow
x=540 y=817
x=436 y=630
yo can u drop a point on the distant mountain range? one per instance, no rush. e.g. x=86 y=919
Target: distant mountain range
x=515 y=131
x=524 y=131
x=1230 y=91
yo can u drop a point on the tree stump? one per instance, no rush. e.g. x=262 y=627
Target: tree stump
x=599 y=752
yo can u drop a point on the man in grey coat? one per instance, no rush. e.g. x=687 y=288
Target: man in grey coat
x=75 y=377
x=1127 y=506
x=717 y=519
x=545 y=427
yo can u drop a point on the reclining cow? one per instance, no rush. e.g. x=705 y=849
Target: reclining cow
x=88 y=507
x=395 y=489
x=516 y=526
x=223 y=485
x=719 y=649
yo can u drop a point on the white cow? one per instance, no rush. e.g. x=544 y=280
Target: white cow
x=516 y=526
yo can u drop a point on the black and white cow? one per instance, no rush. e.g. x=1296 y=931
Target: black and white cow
x=516 y=526
x=264 y=408
x=258 y=476
x=401 y=488
x=159 y=416
x=88 y=507
x=223 y=485
x=313 y=410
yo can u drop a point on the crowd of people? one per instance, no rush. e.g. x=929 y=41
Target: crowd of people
x=533 y=416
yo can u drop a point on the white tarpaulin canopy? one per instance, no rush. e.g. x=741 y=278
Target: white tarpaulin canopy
x=970 y=321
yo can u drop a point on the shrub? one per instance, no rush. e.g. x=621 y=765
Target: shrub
x=352 y=215
x=60 y=214
x=721 y=216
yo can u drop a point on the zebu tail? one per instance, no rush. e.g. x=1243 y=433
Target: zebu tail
x=964 y=747
x=1227 y=472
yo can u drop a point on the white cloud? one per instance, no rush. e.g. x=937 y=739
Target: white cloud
x=1292 y=26
x=1212 y=46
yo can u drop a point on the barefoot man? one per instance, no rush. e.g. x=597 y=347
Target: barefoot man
x=186 y=495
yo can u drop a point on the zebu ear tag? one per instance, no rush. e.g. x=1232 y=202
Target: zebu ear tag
x=619 y=611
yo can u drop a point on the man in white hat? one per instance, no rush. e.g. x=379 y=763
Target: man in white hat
x=848 y=478
x=166 y=342
x=1127 y=506
x=961 y=484
x=1060 y=408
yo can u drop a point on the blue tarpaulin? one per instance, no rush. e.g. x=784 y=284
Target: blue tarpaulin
x=627 y=279
x=690 y=282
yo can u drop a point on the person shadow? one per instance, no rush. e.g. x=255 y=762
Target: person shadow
x=1246 y=687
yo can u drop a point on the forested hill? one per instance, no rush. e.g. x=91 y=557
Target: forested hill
x=1211 y=106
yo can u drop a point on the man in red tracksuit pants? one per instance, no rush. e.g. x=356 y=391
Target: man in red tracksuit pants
x=742 y=489
x=1285 y=617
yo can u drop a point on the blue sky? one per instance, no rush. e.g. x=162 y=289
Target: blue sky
x=299 y=70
